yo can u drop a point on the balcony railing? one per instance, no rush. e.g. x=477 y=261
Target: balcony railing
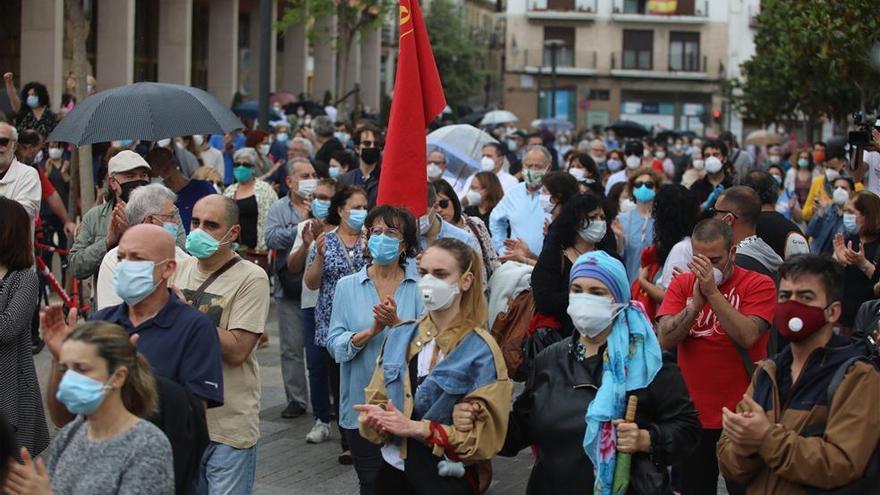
x=625 y=11
x=568 y=62
x=561 y=9
x=618 y=69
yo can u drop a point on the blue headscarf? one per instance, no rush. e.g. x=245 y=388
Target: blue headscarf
x=632 y=360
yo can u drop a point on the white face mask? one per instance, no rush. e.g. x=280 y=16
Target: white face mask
x=473 y=198
x=831 y=175
x=425 y=222
x=437 y=294
x=198 y=140
x=263 y=149
x=533 y=178
x=163 y=143
x=434 y=171
x=699 y=164
x=627 y=205
x=579 y=174
x=55 y=153
x=591 y=314
x=594 y=232
x=307 y=187
x=840 y=196
x=713 y=165
x=633 y=162
x=775 y=159
x=660 y=154
x=487 y=164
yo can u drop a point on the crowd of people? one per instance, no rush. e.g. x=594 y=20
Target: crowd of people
x=729 y=294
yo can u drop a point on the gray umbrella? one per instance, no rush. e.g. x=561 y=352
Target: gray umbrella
x=144 y=111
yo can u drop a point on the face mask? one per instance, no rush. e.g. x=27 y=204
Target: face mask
x=512 y=145
x=644 y=194
x=122 y=143
x=660 y=155
x=178 y=143
x=33 y=101
x=546 y=205
x=434 y=171
x=677 y=146
x=384 y=249
x=282 y=137
x=849 y=223
x=777 y=179
x=775 y=159
x=713 y=165
x=370 y=155
x=590 y=314
x=198 y=140
x=425 y=222
x=263 y=149
x=320 y=208
x=633 y=162
x=803 y=163
x=796 y=321
x=579 y=174
x=79 y=393
x=613 y=164
x=627 y=205
x=356 y=219
x=487 y=164
x=300 y=112
x=594 y=232
x=533 y=179
x=307 y=187
x=831 y=175
x=134 y=280
x=818 y=156
x=473 y=197
x=242 y=173
x=201 y=244
x=840 y=196
x=163 y=143
x=172 y=229
x=130 y=186
x=437 y=294
x=55 y=153
x=718 y=275
x=335 y=171
x=699 y=164
x=343 y=137
x=39 y=157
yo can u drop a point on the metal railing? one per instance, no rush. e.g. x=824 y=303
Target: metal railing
x=579 y=6
x=701 y=9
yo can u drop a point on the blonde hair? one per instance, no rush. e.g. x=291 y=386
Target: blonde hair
x=473 y=308
x=113 y=345
x=208 y=173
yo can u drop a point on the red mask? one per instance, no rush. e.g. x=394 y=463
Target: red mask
x=796 y=321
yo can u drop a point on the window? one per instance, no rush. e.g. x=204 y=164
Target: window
x=682 y=7
x=638 y=48
x=634 y=6
x=565 y=52
x=562 y=5
x=566 y=104
x=600 y=95
x=684 y=51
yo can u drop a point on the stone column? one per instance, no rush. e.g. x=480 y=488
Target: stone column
x=223 y=49
x=371 y=60
x=353 y=71
x=175 y=41
x=296 y=58
x=42 y=34
x=324 y=54
x=115 y=57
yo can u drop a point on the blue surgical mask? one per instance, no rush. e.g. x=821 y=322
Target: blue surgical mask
x=33 y=101
x=334 y=172
x=643 y=194
x=356 y=219
x=850 y=224
x=281 y=137
x=134 y=280
x=79 y=393
x=201 y=244
x=172 y=228
x=384 y=249
x=320 y=208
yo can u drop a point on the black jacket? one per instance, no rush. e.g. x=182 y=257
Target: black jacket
x=354 y=177
x=550 y=413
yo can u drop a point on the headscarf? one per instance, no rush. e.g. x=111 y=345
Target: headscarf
x=631 y=361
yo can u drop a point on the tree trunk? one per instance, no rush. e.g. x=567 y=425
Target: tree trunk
x=344 y=39
x=82 y=162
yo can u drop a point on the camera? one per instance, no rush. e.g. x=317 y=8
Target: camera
x=864 y=124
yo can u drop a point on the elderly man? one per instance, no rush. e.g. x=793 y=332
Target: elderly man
x=281 y=229
x=17 y=181
x=234 y=294
x=301 y=147
x=152 y=204
x=597 y=153
x=523 y=210
x=104 y=224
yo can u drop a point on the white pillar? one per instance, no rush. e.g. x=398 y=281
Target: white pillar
x=371 y=60
x=115 y=57
x=324 y=53
x=223 y=49
x=296 y=57
x=175 y=41
x=42 y=34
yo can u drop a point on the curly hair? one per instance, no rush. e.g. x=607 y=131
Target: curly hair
x=675 y=214
x=572 y=217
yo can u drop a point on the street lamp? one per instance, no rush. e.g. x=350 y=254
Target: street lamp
x=553 y=45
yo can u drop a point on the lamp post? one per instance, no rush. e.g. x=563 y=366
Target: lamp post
x=553 y=45
x=265 y=59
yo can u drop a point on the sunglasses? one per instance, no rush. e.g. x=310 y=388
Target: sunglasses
x=713 y=212
x=649 y=185
x=243 y=164
x=4 y=141
x=443 y=203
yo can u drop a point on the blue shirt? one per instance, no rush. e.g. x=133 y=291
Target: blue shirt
x=189 y=196
x=352 y=312
x=281 y=222
x=181 y=345
x=447 y=230
x=639 y=234
x=522 y=212
x=822 y=229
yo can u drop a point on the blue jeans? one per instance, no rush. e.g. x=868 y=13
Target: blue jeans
x=227 y=471
x=319 y=380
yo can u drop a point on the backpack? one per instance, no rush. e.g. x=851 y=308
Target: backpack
x=510 y=330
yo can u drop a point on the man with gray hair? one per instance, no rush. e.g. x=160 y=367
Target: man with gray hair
x=326 y=143
x=281 y=229
x=151 y=204
x=18 y=181
x=524 y=209
x=301 y=147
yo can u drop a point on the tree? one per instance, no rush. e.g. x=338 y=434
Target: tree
x=812 y=58
x=83 y=186
x=459 y=60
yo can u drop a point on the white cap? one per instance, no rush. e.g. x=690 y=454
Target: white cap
x=125 y=161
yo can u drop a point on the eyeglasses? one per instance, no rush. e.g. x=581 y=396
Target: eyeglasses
x=4 y=141
x=389 y=231
x=714 y=212
x=638 y=184
x=243 y=164
x=172 y=213
x=443 y=203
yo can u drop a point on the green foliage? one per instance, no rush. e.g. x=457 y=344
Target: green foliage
x=812 y=58
x=353 y=16
x=459 y=60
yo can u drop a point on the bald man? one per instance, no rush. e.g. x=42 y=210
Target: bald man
x=234 y=293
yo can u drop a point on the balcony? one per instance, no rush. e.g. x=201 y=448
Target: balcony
x=635 y=11
x=568 y=62
x=561 y=10
x=672 y=72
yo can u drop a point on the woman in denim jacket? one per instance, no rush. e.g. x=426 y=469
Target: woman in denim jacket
x=428 y=366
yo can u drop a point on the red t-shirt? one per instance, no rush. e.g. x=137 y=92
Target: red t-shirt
x=711 y=366
x=45 y=184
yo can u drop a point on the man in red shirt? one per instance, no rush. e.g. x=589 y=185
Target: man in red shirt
x=717 y=315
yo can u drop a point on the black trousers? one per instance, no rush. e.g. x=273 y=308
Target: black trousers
x=699 y=471
x=333 y=373
x=367 y=458
x=392 y=480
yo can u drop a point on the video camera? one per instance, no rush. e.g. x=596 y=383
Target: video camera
x=864 y=124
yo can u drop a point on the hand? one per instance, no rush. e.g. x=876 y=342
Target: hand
x=180 y=295
x=391 y=421
x=516 y=250
x=643 y=278
x=386 y=313
x=630 y=438
x=28 y=478
x=617 y=228
x=854 y=257
x=875 y=137
x=312 y=231
x=746 y=429
x=117 y=225
x=840 y=253
x=704 y=272
x=70 y=229
x=465 y=414
x=55 y=329
x=321 y=246
x=7 y=78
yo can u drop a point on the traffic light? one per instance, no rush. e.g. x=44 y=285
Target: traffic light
x=716 y=115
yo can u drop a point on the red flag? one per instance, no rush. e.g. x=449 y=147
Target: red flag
x=418 y=99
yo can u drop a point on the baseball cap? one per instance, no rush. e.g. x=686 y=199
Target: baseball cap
x=125 y=161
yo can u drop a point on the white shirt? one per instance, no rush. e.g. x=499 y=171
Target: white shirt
x=22 y=184
x=679 y=256
x=212 y=157
x=508 y=182
x=872 y=159
x=105 y=289
x=309 y=297
x=616 y=177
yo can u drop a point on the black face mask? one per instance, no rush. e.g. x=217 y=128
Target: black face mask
x=370 y=155
x=130 y=186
